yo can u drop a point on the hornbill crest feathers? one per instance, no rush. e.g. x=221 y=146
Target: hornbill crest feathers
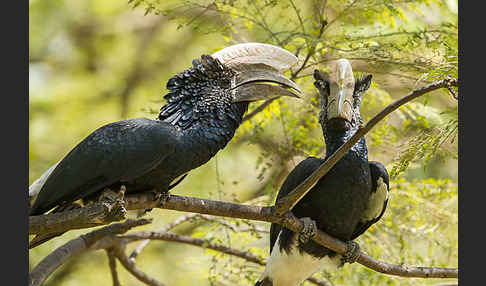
x=215 y=85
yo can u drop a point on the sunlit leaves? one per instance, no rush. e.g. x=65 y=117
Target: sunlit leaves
x=428 y=145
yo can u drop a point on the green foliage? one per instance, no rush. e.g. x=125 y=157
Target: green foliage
x=95 y=62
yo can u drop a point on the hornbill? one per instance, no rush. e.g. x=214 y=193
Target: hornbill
x=205 y=105
x=344 y=203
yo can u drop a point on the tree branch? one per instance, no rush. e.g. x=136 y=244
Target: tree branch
x=75 y=247
x=105 y=211
x=168 y=227
x=185 y=218
x=112 y=264
x=140 y=275
x=166 y=236
x=293 y=76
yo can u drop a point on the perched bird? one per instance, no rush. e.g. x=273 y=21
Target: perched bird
x=344 y=203
x=205 y=105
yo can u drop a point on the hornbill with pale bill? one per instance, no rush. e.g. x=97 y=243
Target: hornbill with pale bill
x=344 y=203
x=205 y=105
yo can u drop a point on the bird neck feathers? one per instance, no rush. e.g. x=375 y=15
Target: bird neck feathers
x=335 y=139
x=200 y=105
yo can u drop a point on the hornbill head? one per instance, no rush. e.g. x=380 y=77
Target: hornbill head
x=341 y=96
x=226 y=81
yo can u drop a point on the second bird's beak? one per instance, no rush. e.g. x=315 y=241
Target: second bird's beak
x=340 y=100
x=259 y=70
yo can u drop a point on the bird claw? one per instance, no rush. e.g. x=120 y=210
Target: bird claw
x=113 y=196
x=352 y=252
x=161 y=197
x=114 y=203
x=309 y=230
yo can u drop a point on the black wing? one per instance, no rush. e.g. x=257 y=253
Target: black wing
x=117 y=152
x=379 y=198
x=303 y=170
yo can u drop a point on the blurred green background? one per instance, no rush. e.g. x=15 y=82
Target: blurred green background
x=95 y=62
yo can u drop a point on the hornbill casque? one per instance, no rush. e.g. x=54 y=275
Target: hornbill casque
x=205 y=105
x=344 y=203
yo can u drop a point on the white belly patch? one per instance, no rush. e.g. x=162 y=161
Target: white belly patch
x=293 y=268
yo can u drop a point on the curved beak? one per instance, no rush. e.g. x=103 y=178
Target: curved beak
x=259 y=70
x=261 y=82
x=340 y=101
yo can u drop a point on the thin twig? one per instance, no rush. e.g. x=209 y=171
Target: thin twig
x=258 y=109
x=144 y=243
x=140 y=275
x=182 y=219
x=166 y=236
x=293 y=76
x=112 y=264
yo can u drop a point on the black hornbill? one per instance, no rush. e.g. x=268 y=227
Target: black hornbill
x=344 y=203
x=205 y=105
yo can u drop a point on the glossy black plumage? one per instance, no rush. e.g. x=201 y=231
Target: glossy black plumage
x=335 y=203
x=198 y=120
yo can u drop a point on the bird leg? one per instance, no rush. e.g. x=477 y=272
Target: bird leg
x=160 y=197
x=352 y=252
x=115 y=203
x=308 y=231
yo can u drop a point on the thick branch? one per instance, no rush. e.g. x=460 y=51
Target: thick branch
x=77 y=246
x=105 y=211
x=286 y=203
x=202 y=206
x=96 y=214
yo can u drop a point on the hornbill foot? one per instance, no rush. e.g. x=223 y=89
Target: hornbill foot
x=160 y=197
x=352 y=252
x=112 y=196
x=115 y=204
x=309 y=230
